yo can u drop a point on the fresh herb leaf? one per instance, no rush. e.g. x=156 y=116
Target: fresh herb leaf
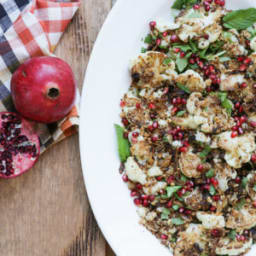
x=143 y=50
x=171 y=190
x=165 y=214
x=240 y=204
x=148 y=39
x=177 y=221
x=181 y=113
x=179 y=4
x=224 y=58
x=244 y=182
x=192 y=66
x=240 y=19
x=212 y=190
x=179 y=198
x=203 y=154
x=167 y=61
x=175 y=207
x=183 y=178
x=183 y=47
x=183 y=88
x=193 y=46
x=252 y=31
x=181 y=63
x=254 y=188
x=220 y=53
x=173 y=239
x=210 y=173
x=225 y=102
x=202 y=54
x=123 y=144
x=232 y=235
x=165 y=139
x=216 y=46
x=203 y=254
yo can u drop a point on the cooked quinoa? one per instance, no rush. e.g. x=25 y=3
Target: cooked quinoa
x=189 y=121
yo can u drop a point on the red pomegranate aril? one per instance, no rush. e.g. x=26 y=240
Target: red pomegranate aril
x=240 y=130
x=234 y=134
x=170 y=179
x=181 y=209
x=169 y=204
x=185 y=143
x=151 y=198
x=159 y=178
x=222 y=2
x=178 y=100
x=207 y=8
x=234 y=128
x=164 y=237
x=188 y=212
x=145 y=203
x=135 y=134
x=174 y=110
x=215 y=233
x=253 y=158
x=125 y=178
x=152 y=24
x=192 y=61
x=200 y=64
x=151 y=105
x=183 y=149
x=247 y=61
x=243 y=85
x=122 y=103
x=137 y=201
x=138 y=105
x=211 y=68
x=243 y=67
x=154 y=138
x=241 y=109
x=144 y=197
x=206 y=36
x=151 y=128
x=165 y=34
x=184 y=101
x=214 y=182
x=174 y=101
x=125 y=121
x=243 y=119
x=125 y=135
x=182 y=54
x=190 y=183
x=200 y=168
x=212 y=77
x=213 y=208
x=237 y=180
x=174 y=39
x=253 y=124
x=134 y=193
x=176 y=50
x=240 y=238
x=237 y=105
x=240 y=58
x=139 y=186
x=155 y=125
x=216 y=198
x=180 y=135
x=158 y=41
x=196 y=6
x=254 y=204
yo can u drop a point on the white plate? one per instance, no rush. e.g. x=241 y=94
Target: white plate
x=107 y=79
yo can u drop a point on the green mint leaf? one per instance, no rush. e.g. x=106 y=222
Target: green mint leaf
x=203 y=154
x=175 y=207
x=210 y=173
x=240 y=19
x=181 y=63
x=171 y=190
x=240 y=204
x=225 y=102
x=181 y=113
x=167 y=61
x=244 y=182
x=183 y=47
x=177 y=221
x=193 y=46
x=179 y=198
x=180 y=4
x=254 y=188
x=212 y=190
x=143 y=50
x=165 y=139
x=123 y=144
x=165 y=214
x=183 y=88
x=148 y=39
x=232 y=235
x=183 y=178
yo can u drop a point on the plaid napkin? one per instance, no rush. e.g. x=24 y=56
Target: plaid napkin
x=33 y=28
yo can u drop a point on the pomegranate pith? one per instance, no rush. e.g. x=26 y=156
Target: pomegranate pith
x=19 y=145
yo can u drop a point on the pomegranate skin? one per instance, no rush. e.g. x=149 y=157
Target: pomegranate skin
x=43 y=89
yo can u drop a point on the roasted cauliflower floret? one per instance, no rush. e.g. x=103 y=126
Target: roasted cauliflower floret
x=210 y=221
x=231 y=82
x=192 y=80
x=242 y=219
x=195 y=199
x=141 y=150
x=226 y=246
x=149 y=70
x=250 y=186
x=238 y=149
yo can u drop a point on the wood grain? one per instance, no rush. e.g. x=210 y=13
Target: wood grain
x=45 y=212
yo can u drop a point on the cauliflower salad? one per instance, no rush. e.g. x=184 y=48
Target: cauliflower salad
x=187 y=141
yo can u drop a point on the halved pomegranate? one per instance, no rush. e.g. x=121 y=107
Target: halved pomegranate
x=19 y=145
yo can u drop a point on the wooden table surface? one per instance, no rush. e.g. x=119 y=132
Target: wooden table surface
x=45 y=212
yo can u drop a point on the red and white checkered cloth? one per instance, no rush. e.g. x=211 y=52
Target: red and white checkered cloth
x=31 y=28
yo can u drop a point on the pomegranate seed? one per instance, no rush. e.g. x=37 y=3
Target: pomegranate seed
x=240 y=130
x=206 y=187
x=154 y=138
x=184 y=101
x=190 y=183
x=196 y=6
x=254 y=204
x=237 y=180
x=247 y=61
x=222 y=2
x=122 y=103
x=216 y=198
x=253 y=158
x=174 y=101
x=215 y=233
x=200 y=64
x=209 y=1
x=234 y=134
x=135 y=134
x=164 y=237
x=213 y=208
x=166 y=90
x=243 y=119
x=185 y=143
x=165 y=34
x=137 y=201
x=206 y=36
x=200 y=168
x=159 y=178
x=178 y=129
x=155 y=125
x=152 y=24
x=158 y=41
x=182 y=54
x=151 y=128
x=191 y=61
x=243 y=67
x=208 y=89
x=180 y=135
x=134 y=193
x=145 y=203
x=174 y=39
x=207 y=8
x=188 y=212
x=178 y=100
x=125 y=178
x=212 y=77
x=169 y=204
x=139 y=186
x=211 y=68
x=214 y=182
x=237 y=105
x=125 y=121
x=254 y=86
x=151 y=198
x=138 y=106
x=181 y=209
x=240 y=238
x=125 y=135
x=144 y=197
x=234 y=128
x=176 y=50
x=243 y=85
x=170 y=179
x=151 y=106
x=183 y=149
x=253 y=124
x=174 y=110
x=240 y=58
x=241 y=109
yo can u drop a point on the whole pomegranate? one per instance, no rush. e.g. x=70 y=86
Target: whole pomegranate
x=19 y=145
x=43 y=89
